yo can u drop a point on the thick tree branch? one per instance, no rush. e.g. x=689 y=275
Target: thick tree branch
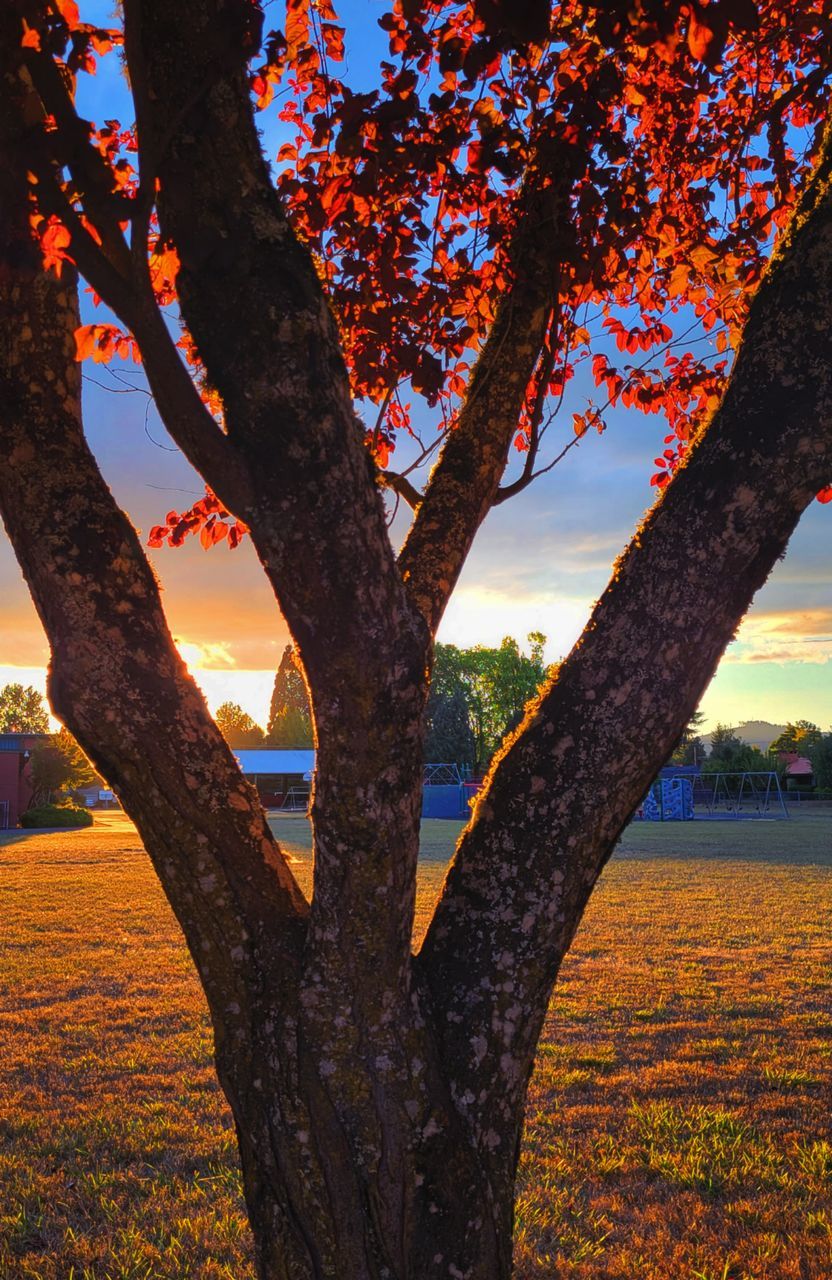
x=463 y=484
x=115 y=676
x=557 y=799
x=118 y=273
x=255 y=307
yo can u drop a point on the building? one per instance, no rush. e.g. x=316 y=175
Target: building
x=96 y=796
x=283 y=778
x=16 y=774
x=799 y=771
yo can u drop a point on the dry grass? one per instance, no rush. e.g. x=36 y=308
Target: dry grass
x=678 y=1118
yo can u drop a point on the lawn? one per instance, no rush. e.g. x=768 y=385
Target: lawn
x=679 y=1120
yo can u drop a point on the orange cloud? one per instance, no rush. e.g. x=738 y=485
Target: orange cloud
x=784 y=636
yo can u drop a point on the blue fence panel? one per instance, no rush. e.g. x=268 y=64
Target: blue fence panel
x=444 y=802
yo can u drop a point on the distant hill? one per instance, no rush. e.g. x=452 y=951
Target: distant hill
x=757 y=733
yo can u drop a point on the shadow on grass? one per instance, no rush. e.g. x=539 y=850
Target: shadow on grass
x=13 y=837
x=804 y=839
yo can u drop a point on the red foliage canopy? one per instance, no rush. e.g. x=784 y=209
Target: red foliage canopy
x=685 y=130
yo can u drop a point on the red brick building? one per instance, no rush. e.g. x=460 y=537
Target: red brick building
x=15 y=774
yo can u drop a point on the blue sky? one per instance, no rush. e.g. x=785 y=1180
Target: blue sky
x=539 y=563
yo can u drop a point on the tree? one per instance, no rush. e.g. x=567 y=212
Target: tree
x=290 y=716
x=737 y=757
x=797 y=737
x=59 y=765
x=820 y=754
x=449 y=738
x=729 y=754
x=492 y=686
x=690 y=749
x=237 y=726
x=725 y=746
x=444 y=236
x=22 y=710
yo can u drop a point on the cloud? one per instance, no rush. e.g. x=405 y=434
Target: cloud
x=784 y=636
x=234 y=654
x=208 y=656
x=813 y=623
x=485 y=614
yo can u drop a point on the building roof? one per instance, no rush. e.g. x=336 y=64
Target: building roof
x=22 y=741
x=799 y=767
x=272 y=760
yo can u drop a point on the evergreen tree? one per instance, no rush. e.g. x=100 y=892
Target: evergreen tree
x=448 y=737
x=290 y=717
x=690 y=749
x=729 y=754
x=724 y=746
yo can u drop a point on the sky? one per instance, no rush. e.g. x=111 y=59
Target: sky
x=539 y=562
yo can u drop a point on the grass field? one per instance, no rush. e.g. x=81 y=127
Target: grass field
x=679 y=1117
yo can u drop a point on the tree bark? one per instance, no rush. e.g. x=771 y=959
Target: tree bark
x=560 y=793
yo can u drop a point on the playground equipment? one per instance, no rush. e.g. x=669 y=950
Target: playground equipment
x=296 y=799
x=741 y=795
x=681 y=797
x=443 y=793
x=669 y=800
x=442 y=775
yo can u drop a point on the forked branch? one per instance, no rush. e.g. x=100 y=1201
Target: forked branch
x=557 y=799
x=464 y=483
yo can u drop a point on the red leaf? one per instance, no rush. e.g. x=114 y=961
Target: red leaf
x=706 y=33
x=69 y=12
x=333 y=41
x=54 y=242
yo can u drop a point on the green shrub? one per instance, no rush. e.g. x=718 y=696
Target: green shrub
x=53 y=815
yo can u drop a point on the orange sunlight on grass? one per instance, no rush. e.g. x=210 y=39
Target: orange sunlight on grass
x=678 y=1118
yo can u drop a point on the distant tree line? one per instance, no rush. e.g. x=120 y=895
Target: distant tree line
x=478 y=695
x=290 y=716
x=729 y=754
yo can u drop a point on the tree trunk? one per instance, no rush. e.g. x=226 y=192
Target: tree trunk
x=325 y=1203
